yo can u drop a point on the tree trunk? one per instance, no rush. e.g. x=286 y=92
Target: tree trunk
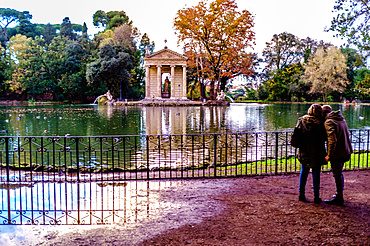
x=212 y=90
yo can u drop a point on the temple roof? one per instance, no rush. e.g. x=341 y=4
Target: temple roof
x=165 y=54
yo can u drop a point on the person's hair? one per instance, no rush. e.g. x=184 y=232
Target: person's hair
x=315 y=110
x=326 y=109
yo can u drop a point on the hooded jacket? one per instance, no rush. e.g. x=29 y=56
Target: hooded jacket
x=339 y=143
x=313 y=152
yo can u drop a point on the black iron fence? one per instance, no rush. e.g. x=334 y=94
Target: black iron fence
x=147 y=157
x=86 y=180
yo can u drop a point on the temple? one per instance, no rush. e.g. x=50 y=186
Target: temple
x=165 y=75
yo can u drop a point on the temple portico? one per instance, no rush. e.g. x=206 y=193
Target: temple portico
x=165 y=75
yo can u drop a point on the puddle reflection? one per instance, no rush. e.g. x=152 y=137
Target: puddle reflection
x=80 y=203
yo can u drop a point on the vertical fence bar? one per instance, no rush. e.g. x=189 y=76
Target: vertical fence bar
x=226 y=149
x=286 y=152
x=215 y=154
x=77 y=159
x=367 y=149
x=246 y=154
x=124 y=157
x=147 y=158
x=112 y=143
x=192 y=155
x=42 y=158
x=159 y=156
x=360 y=149
x=236 y=154
x=276 y=151
x=7 y=158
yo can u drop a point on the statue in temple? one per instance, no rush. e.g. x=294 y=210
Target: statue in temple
x=166 y=85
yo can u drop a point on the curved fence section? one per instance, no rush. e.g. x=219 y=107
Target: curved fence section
x=147 y=157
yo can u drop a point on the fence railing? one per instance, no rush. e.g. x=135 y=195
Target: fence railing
x=84 y=180
x=147 y=157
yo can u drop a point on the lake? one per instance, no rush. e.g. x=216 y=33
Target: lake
x=94 y=120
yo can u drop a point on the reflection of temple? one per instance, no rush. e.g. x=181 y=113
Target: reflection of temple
x=165 y=120
x=172 y=65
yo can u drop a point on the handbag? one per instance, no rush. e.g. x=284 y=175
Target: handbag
x=297 y=138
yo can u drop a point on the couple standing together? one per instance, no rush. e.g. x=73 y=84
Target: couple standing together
x=321 y=124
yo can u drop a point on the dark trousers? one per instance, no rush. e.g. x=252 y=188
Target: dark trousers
x=337 y=169
x=315 y=178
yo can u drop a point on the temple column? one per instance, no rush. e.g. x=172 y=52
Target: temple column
x=159 y=82
x=147 y=82
x=184 y=82
x=173 y=81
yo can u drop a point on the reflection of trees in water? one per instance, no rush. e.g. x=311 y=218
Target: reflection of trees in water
x=94 y=120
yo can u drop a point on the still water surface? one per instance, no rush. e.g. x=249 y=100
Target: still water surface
x=93 y=120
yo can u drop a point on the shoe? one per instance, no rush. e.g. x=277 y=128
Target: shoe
x=303 y=199
x=336 y=200
x=317 y=200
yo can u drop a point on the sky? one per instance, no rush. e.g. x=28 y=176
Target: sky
x=302 y=18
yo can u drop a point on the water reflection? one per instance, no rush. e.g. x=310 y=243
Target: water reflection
x=80 y=203
x=92 y=120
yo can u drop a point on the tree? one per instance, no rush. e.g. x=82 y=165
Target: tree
x=144 y=42
x=362 y=81
x=137 y=74
x=325 y=72
x=48 y=33
x=111 y=19
x=222 y=33
x=73 y=82
x=355 y=61
x=285 y=83
x=66 y=29
x=25 y=27
x=283 y=50
x=84 y=29
x=4 y=68
x=286 y=49
x=127 y=36
x=7 y=17
x=45 y=67
x=17 y=48
x=111 y=69
x=352 y=22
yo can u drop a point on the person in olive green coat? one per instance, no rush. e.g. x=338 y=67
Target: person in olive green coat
x=339 y=149
x=312 y=153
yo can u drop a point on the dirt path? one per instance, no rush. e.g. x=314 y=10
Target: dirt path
x=265 y=211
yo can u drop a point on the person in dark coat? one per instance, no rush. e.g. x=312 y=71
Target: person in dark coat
x=312 y=153
x=339 y=149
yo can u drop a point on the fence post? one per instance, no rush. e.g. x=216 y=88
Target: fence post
x=7 y=158
x=215 y=153
x=276 y=151
x=77 y=159
x=147 y=159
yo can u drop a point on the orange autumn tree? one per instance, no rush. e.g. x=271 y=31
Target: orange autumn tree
x=218 y=35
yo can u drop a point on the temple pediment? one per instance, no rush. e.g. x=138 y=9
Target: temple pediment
x=165 y=54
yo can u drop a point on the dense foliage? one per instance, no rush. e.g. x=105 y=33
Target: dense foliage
x=61 y=62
